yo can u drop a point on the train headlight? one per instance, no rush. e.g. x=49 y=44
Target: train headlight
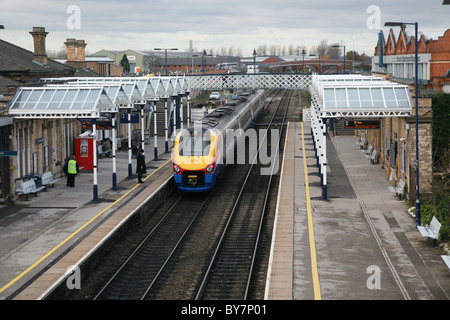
x=176 y=168
x=211 y=167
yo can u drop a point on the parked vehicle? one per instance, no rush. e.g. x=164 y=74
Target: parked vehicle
x=214 y=96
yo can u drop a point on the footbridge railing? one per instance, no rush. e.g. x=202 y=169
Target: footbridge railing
x=248 y=81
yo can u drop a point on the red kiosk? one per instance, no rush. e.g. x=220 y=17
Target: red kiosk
x=84 y=154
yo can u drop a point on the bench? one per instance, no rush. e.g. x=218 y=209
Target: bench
x=374 y=156
x=362 y=143
x=398 y=189
x=369 y=151
x=100 y=152
x=431 y=231
x=27 y=187
x=47 y=178
x=446 y=259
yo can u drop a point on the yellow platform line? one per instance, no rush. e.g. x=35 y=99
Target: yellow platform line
x=75 y=233
x=312 y=246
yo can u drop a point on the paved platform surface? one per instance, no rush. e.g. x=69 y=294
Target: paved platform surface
x=31 y=230
x=365 y=243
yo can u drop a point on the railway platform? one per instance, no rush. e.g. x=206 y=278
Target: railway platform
x=360 y=244
x=35 y=235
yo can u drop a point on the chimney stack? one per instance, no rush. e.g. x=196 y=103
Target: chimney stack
x=81 y=55
x=76 y=55
x=40 y=54
x=71 y=52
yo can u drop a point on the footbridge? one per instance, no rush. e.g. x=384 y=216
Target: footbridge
x=249 y=81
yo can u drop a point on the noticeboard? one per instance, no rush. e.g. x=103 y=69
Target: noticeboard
x=362 y=124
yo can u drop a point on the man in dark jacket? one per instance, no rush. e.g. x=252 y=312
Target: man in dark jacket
x=140 y=165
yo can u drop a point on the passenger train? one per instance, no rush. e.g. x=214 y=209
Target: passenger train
x=200 y=151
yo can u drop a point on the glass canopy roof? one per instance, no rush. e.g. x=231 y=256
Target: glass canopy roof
x=353 y=95
x=67 y=101
x=88 y=97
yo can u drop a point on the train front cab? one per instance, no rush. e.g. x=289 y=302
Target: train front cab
x=195 y=169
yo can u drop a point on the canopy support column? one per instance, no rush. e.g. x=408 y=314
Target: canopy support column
x=114 y=146
x=166 y=125
x=130 y=171
x=95 y=188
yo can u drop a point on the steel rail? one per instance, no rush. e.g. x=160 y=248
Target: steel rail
x=233 y=210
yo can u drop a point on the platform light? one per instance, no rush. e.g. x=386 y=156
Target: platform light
x=338 y=46
x=165 y=54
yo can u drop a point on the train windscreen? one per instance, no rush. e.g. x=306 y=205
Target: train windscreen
x=194 y=145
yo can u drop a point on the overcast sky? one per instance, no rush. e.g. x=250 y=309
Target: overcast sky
x=244 y=24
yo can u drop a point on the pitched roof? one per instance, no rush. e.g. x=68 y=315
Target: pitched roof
x=6 y=84
x=19 y=60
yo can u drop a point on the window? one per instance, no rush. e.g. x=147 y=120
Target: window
x=194 y=145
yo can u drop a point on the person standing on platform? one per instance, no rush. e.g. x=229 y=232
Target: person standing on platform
x=140 y=167
x=72 y=171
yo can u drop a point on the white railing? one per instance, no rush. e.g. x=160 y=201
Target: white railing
x=249 y=81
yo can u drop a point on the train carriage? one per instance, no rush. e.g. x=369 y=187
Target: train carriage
x=200 y=151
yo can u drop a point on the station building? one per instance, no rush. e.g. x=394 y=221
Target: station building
x=30 y=147
x=395 y=143
x=397 y=58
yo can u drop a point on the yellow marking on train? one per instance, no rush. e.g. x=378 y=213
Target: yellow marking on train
x=312 y=246
x=75 y=233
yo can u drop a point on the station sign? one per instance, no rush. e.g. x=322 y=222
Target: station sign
x=362 y=124
x=8 y=153
x=100 y=124
x=134 y=118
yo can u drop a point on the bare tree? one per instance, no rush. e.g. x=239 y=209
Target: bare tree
x=290 y=50
x=334 y=52
x=261 y=50
x=323 y=48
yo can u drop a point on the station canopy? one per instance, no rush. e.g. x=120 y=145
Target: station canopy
x=359 y=96
x=90 y=97
x=60 y=102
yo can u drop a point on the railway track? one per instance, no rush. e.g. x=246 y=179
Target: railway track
x=203 y=246
x=230 y=271
x=136 y=275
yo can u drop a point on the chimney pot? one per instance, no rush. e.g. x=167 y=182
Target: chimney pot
x=40 y=54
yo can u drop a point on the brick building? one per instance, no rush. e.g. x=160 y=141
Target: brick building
x=34 y=146
x=398 y=58
x=395 y=143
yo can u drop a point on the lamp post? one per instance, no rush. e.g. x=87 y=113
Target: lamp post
x=254 y=61
x=416 y=86
x=203 y=72
x=165 y=54
x=303 y=63
x=337 y=46
x=194 y=55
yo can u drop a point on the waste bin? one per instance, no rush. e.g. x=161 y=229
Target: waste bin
x=38 y=180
